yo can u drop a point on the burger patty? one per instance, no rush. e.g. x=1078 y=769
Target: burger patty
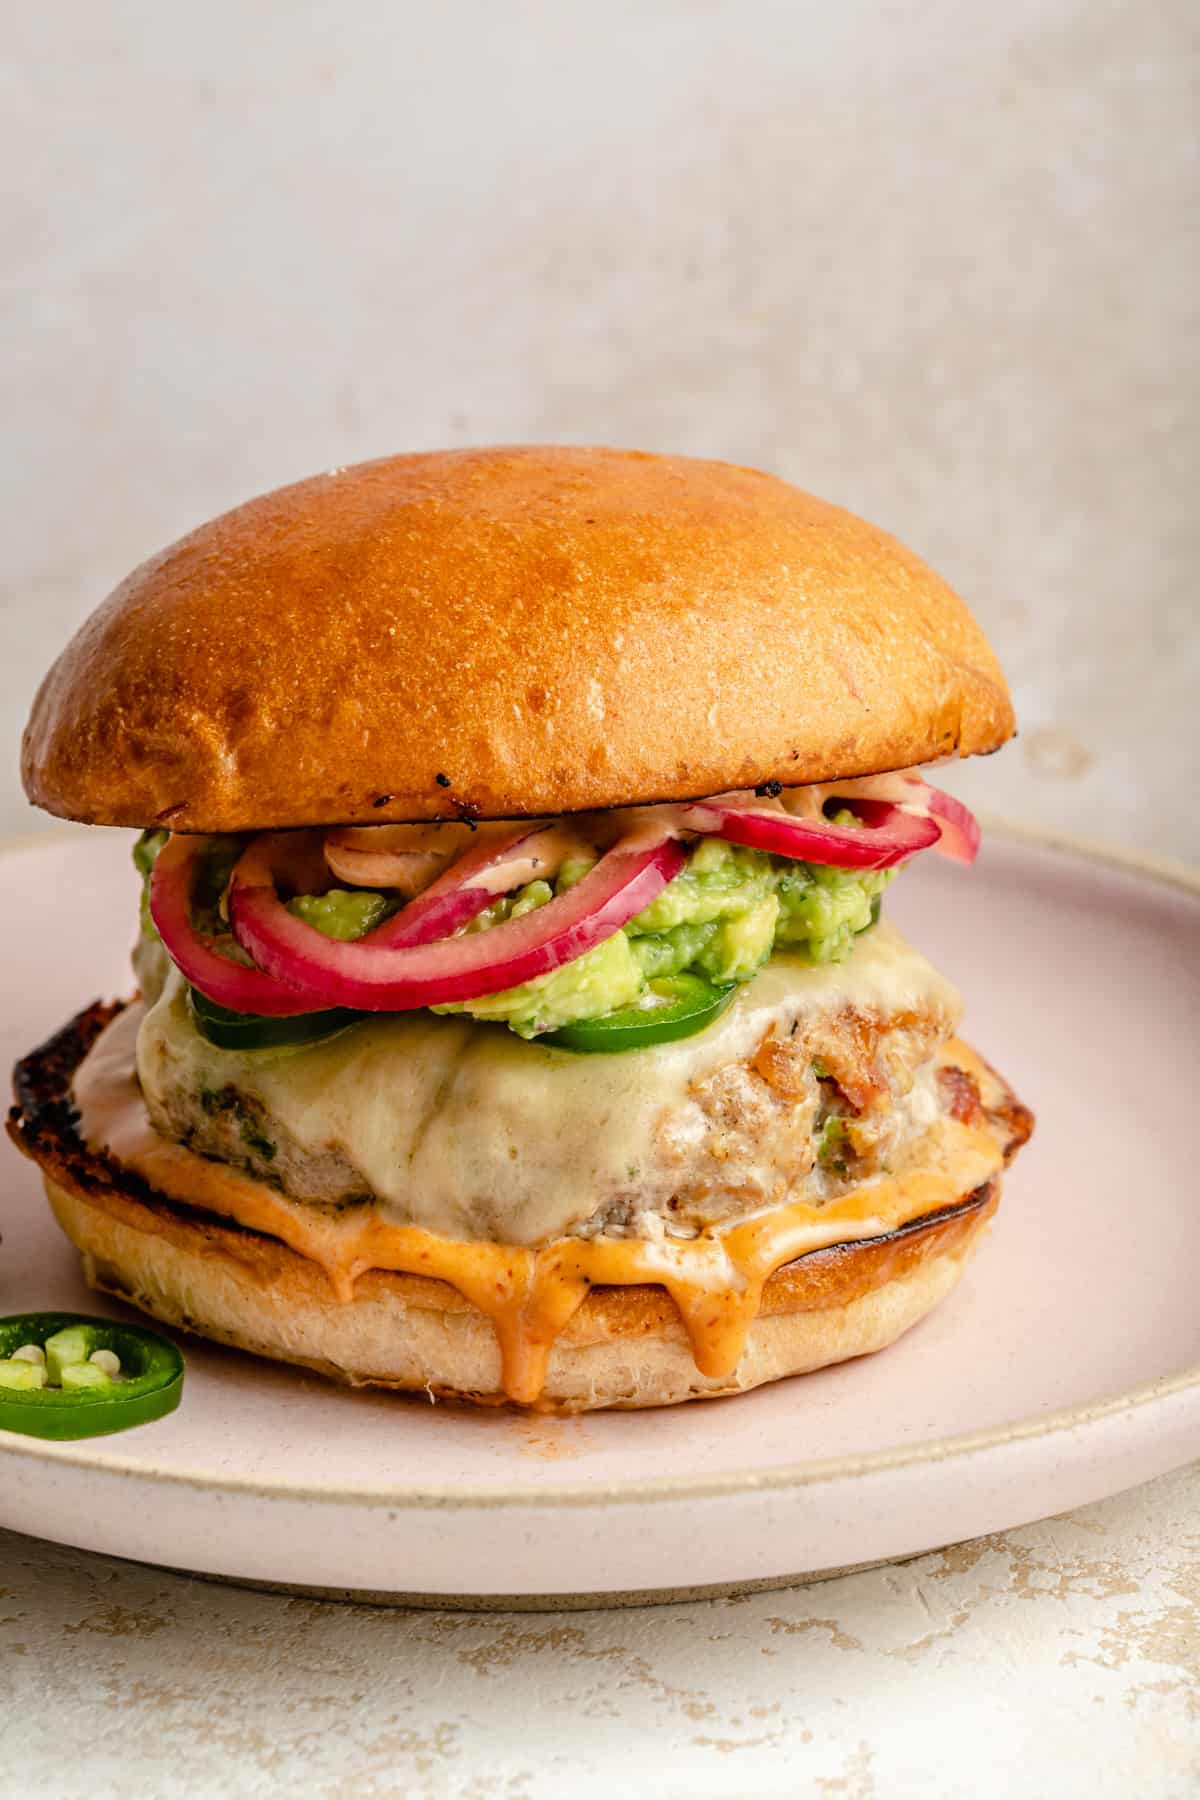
x=753 y=1132
x=816 y=1079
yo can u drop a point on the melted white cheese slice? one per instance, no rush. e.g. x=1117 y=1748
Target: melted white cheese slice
x=466 y=1130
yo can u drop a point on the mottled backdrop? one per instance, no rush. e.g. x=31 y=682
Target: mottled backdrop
x=936 y=261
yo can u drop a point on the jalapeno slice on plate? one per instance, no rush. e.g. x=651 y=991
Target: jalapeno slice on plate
x=252 y=1031
x=674 y=1006
x=63 y=1375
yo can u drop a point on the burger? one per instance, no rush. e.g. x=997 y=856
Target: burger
x=518 y=1017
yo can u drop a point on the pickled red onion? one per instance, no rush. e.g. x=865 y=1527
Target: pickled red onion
x=887 y=837
x=377 y=977
x=172 y=885
x=958 y=828
x=470 y=885
x=414 y=959
x=958 y=825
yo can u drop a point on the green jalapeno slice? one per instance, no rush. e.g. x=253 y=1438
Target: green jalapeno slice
x=63 y=1375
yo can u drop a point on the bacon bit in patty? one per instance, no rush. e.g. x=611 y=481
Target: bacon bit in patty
x=960 y=1096
x=783 y=1066
x=852 y=1057
x=848 y=1056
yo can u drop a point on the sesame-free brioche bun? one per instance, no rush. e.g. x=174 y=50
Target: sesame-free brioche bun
x=625 y=1346
x=506 y=632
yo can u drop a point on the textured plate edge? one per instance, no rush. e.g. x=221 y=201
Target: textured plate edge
x=787 y=1477
x=594 y=1600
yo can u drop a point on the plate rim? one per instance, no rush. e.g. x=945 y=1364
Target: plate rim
x=791 y=1476
x=787 y=1477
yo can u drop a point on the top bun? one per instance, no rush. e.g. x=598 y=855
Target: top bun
x=506 y=632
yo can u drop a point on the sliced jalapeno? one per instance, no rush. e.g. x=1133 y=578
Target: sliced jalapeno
x=674 y=1006
x=251 y=1031
x=75 y=1391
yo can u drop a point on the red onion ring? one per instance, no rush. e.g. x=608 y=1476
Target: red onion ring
x=885 y=838
x=958 y=825
x=958 y=828
x=298 y=969
x=381 y=978
x=172 y=885
x=470 y=885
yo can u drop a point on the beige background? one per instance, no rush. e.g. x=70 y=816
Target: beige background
x=936 y=261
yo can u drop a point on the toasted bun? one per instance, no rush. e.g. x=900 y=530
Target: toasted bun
x=624 y=1347
x=505 y=632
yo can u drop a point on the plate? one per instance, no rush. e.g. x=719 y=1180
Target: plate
x=1065 y=1367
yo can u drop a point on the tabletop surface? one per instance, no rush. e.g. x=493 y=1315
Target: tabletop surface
x=1058 y=1659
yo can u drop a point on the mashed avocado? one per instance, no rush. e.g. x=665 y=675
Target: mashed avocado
x=145 y=855
x=342 y=913
x=721 y=917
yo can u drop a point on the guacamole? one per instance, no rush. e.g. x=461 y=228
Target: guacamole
x=723 y=915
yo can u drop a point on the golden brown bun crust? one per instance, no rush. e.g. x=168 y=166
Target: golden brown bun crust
x=550 y=629
x=624 y=1347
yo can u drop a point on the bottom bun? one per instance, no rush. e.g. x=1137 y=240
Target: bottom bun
x=623 y=1348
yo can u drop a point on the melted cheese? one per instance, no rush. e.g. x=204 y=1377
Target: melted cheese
x=531 y=1292
x=470 y=1132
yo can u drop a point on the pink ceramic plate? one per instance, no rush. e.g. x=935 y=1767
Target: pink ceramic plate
x=1065 y=1367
